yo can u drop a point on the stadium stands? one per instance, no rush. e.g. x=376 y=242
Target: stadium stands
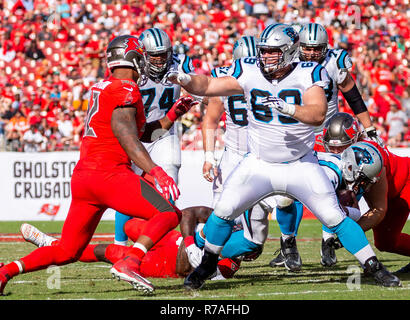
x=51 y=53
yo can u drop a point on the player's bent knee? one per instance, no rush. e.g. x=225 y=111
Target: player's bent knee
x=224 y=211
x=283 y=202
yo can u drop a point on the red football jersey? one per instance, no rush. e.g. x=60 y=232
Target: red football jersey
x=100 y=149
x=397 y=169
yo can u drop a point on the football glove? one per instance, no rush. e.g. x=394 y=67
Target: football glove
x=180 y=107
x=280 y=105
x=193 y=252
x=168 y=186
x=372 y=135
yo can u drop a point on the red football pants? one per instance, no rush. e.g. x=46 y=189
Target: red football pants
x=160 y=260
x=92 y=193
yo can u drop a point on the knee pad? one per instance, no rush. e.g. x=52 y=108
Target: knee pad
x=283 y=201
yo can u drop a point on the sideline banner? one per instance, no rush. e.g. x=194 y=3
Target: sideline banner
x=36 y=186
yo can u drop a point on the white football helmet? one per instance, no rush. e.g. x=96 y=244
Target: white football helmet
x=245 y=47
x=362 y=164
x=277 y=36
x=159 y=52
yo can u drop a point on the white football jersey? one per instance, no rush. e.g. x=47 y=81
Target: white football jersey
x=158 y=98
x=272 y=136
x=236 y=135
x=337 y=63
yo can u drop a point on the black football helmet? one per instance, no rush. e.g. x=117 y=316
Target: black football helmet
x=127 y=51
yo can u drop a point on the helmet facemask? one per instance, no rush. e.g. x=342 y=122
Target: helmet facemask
x=315 y=53
x=158 y=64
x=273 y=63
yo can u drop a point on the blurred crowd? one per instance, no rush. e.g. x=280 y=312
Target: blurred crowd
x=51 y=52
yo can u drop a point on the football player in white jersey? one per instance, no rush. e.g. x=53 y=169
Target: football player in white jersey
x=285 y=102
x=314 y=47
x=158 y=96
x=254 y=221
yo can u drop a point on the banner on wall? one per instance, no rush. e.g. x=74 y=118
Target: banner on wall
x=36 y=186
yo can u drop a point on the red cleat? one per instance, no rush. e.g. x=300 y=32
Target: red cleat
x=4 y=278
x=127 y=269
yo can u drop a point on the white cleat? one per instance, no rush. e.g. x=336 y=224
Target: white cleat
x=35 y=236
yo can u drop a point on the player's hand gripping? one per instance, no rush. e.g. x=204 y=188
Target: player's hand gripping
x=193 y=252
x=178 y=77
x=168 y=186
x=280 y=105
x=180 y=107
x=208 y=166
x=372 y=135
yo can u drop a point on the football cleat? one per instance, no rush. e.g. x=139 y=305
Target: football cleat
x=405 y=269
x=380 y=274
x=327 y=253
x=127 y=269
x=196 y=279
x=290 y=253
x=279 y=261
x=35 y=236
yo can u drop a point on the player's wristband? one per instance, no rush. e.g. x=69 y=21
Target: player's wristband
x=291 y=109
x=210 y=157
x=172 y=116
x=189 y=241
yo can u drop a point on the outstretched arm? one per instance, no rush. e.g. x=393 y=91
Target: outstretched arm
x=202 y=85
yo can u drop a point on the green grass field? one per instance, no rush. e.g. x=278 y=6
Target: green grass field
x=254 y=281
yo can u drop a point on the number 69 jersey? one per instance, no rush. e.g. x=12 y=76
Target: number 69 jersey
x=272 y=136
x=159 y=97
x=236 y=135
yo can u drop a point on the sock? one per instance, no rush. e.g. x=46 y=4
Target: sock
x=13 y=268
x=138 y=251
x=299 y=215
x=120 y=220
x=286 y=236
x=326 y=235
x=218 y=231
x=238 y=245
x=286 y=218
x=353 y=239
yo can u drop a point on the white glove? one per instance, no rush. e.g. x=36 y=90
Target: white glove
x=280 y=105
x=194 y=253
x=371 y=133
x=178 y=77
